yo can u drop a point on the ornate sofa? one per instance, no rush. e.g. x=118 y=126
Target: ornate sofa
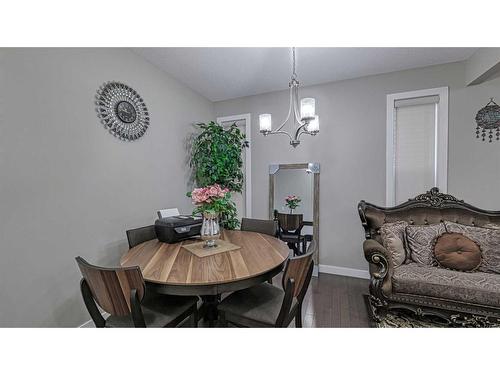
x=458 y=298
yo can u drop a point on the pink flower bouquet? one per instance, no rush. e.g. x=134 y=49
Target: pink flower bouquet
x=211 y=199
x=292 y=202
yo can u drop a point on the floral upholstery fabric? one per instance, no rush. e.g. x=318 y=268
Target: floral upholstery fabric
x=491 y=226
x=469 y=287
x=420 y=240
x=488 y=241
x=393 y=237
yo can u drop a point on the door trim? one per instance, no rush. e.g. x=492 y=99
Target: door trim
x=441 y=168
x=247 y=117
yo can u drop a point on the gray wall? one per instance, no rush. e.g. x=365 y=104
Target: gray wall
x=69 y=188
x=351 y=148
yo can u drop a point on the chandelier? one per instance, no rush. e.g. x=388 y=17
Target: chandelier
x=306 y=119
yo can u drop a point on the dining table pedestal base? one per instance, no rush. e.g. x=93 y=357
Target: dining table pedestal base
x=208 y=311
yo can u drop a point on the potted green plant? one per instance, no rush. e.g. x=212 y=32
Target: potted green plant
x=216 y=158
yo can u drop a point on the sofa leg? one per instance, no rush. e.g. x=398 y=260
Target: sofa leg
x=377 y=309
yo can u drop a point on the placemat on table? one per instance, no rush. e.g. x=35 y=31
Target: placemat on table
x=200 y=251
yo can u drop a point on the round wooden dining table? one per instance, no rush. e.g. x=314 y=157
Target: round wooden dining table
x=172 y=269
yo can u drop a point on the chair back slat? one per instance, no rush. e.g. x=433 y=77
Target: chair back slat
x=139 y=235
x=111 y=287
x=269 y=227
x=298 y=269
x=290 y=222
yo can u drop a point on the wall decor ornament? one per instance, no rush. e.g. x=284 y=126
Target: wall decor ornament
x=488 y=120
x=122 y=111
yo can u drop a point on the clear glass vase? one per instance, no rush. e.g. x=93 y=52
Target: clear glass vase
x=210 y=230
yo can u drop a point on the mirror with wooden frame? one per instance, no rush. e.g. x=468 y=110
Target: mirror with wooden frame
x=300 y=180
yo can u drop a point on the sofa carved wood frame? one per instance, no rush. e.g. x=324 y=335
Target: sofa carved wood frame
x=429 y=208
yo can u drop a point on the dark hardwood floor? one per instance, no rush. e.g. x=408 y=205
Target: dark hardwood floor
x=331 y=301
x=335 y=301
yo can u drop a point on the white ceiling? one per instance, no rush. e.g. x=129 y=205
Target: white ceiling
x=226 y=73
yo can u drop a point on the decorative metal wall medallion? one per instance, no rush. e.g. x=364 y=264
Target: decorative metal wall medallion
x=488 y=119
x=122 y=111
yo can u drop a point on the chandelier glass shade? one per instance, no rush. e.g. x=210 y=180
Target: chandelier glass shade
x=304 y=114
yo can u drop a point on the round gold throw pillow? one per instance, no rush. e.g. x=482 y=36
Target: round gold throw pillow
x=457 y=252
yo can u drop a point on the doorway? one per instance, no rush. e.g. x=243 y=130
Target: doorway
x=243 y=201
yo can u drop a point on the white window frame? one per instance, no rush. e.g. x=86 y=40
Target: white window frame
x=441 y=145
x=247 y=117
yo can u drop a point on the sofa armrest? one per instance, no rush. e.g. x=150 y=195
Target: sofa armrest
x=379 y=257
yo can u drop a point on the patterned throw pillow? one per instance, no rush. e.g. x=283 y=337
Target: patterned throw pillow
x=420 y=240
x=487 y=239
x=393 y=237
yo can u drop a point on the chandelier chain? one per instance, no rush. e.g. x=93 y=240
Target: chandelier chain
x=294 y=74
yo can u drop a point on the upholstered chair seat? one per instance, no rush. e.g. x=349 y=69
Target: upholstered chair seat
x=267 y=305
x=259 y=306
x=290 y=237
x=121 y=292
x=158 y=311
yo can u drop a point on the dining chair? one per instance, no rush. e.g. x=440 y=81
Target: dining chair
x=269 y=227
x=139 y=235
x=290 y=227
x=121 y=292
x=167 y=212
x=266 y=305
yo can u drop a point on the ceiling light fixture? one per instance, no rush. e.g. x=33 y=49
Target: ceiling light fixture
x=307 y=120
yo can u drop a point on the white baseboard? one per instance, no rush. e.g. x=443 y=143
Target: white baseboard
x=90 y=323
x=84 y=324
x=343 y=271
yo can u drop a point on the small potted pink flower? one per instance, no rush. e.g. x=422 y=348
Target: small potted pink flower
x=210 y=201
x=292 y=202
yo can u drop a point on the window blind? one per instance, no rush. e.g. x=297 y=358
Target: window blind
x=415 y=147
x=431 y=99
